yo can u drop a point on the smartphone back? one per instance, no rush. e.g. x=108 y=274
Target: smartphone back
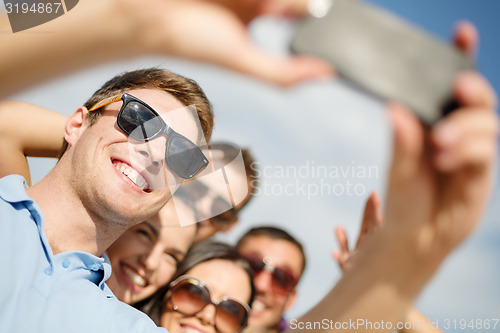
x=384 y=55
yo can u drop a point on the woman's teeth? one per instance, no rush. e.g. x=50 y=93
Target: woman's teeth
x=134 y=277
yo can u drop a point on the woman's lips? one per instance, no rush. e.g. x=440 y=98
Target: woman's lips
x=186 y=328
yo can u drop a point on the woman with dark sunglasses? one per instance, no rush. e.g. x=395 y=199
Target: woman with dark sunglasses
x=210 y=292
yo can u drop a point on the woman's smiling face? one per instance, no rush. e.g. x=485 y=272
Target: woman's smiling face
x=223 y=278
x=145 y=257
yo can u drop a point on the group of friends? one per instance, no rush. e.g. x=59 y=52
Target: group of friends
x=101 y=243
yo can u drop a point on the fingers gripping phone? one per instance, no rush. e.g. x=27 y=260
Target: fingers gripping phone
x=384 y=55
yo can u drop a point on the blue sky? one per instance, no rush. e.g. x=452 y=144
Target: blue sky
x=439 y=16
x=325 y=124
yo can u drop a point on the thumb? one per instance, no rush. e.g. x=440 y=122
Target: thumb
x=408 y=144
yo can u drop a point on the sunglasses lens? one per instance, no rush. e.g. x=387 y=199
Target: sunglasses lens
x=139 y=122
x=283 y=281
x=184 y=157
x=189 y=298
x=230 y=316
x=256 y=264
x=142 y=124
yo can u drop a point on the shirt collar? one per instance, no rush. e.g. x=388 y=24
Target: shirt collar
x=13 y=189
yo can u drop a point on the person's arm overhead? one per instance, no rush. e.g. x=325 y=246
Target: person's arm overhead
x=97 y=31
x=27 y=130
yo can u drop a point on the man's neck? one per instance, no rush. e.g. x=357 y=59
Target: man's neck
x=68 y=225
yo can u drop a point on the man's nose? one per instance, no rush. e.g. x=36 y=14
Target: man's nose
x=152 y=153
x=263 y=281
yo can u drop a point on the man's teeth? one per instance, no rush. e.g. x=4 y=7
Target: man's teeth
x=258 y=305
x=131 y=174
x=135 y=278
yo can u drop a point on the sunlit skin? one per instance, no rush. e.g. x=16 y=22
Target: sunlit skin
x=96 y=167
x=145 y=257
x=268 y=306
x=97 y=191
x=223 y=278
x=247 y=10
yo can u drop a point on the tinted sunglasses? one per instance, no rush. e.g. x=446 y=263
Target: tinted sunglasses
x=190 y=296
x=141 y=122
x=283 y=279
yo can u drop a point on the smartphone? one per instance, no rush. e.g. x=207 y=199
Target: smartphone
x=385 y=56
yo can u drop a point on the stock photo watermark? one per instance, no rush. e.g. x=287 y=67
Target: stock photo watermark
x=480 y=324
x=26 y=14
x=311 y=180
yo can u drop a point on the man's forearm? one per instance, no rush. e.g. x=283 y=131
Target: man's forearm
x=386 y=276
x=88 y=34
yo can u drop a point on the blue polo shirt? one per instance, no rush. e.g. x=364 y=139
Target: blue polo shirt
x=43 y=292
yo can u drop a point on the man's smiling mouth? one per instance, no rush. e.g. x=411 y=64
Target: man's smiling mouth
x=258 y=305
x=131 y=174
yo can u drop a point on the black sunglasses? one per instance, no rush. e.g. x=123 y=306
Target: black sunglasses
x=190 y=296
x=141 y=122
x=283 y=279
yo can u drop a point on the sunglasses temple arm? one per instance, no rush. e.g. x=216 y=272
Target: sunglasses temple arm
x=183 y=181
x=105 y=102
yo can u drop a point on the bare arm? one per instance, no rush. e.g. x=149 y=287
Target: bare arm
x=97 y=31
x=415 y=316
x=414 y=321
x=27 y=130
x=439 y=184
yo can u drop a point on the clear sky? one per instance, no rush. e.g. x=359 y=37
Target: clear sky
x=326 y=126
x=439 y=15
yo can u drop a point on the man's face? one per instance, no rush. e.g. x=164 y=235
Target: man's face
x=269 y=305
x=111 y=173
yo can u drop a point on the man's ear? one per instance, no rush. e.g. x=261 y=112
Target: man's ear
x=75 y=125
x=291 y=299
x=230 y=225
